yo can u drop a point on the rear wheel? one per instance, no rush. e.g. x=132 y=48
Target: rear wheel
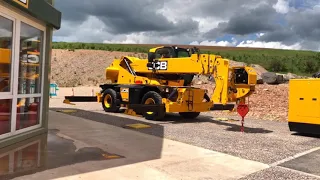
x=110 y=101
x=153 y=97
x=189 y=115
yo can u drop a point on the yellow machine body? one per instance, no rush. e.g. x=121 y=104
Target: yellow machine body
x=5 y=56
x=133 y=80
x=304 y=105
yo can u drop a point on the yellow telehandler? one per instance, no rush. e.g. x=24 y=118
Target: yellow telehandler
x=161 y=84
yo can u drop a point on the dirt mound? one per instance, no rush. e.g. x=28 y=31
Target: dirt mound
x=269 y=102
x=82 y=67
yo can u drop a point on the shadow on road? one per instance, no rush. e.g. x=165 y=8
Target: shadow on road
x=54 y=150
x=236 y=127
x=157 y=128
x=231 y=126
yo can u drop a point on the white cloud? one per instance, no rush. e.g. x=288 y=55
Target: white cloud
x=274 y=45
x=259 y=34
x=206 y=24
x=212 y=43
x=134 y=38
x=91 y=30
x=249 y=43
x=282 y=6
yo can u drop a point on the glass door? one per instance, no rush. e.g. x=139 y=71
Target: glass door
x=7 y=27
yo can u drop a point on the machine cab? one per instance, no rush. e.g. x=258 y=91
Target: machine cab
x=159 y=53
x=169 y=52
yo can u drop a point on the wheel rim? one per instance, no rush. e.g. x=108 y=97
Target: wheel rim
x=107 y=101
x=149 y=101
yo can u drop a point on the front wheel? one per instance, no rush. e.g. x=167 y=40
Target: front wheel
x=110 y=101
x=153 y=97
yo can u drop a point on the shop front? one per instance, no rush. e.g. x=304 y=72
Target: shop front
x=26 y=28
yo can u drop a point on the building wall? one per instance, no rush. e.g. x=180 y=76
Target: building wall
x=42 y=127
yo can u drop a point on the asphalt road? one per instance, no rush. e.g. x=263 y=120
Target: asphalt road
x=264 y=141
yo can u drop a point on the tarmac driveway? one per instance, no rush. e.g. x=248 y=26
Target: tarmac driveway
x=289 y=155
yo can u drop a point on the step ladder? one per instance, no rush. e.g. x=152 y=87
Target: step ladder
x=190 y=99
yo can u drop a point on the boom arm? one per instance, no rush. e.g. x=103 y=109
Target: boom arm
x=232 y=84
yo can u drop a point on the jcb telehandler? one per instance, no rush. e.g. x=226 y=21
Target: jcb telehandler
x=162 y=83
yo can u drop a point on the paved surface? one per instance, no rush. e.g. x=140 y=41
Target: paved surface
x=263 y=141
x=308 y=163
x=83 y=149
x=45 y=153
x=279 y=173
x=271 y=144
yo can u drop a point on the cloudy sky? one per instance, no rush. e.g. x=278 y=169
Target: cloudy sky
x=285 y=24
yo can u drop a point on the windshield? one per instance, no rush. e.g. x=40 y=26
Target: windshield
x=182 y=52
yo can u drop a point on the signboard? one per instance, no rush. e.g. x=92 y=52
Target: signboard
x=24 y=3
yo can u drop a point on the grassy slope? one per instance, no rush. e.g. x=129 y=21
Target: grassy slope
x=298 y=62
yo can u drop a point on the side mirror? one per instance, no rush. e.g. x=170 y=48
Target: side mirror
x=151 y=56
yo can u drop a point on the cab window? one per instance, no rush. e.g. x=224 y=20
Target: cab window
x=182 y=54
x=164 y=53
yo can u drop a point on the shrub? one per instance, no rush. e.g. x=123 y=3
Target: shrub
x=277 y=66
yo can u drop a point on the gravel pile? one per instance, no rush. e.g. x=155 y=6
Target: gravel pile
x=269 y=102
x=82 y=67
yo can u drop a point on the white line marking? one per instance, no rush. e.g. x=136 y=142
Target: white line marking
x=299 y=172
x=294 y=156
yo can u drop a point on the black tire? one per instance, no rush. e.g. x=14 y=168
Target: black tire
x=189 y=115
x=157 y=99
x=111 y=97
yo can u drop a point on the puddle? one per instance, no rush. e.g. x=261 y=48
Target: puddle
x=45 y=152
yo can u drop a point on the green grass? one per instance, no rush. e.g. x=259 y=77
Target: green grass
x=276 y=60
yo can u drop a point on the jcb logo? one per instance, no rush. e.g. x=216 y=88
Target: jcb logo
x=30 y=58
x=160 y=65
x=24 y=3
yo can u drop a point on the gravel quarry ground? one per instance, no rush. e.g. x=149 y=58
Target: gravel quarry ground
x=269 y=142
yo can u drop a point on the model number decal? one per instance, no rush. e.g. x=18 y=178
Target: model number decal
x=160 y=65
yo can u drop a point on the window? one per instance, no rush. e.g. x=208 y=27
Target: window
x=165 y=52
x=5 y=116
x=6 y=32
x=30 y=60
x=28 y=111
x=6 y=39
x=29 y=82
x=183 y=53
